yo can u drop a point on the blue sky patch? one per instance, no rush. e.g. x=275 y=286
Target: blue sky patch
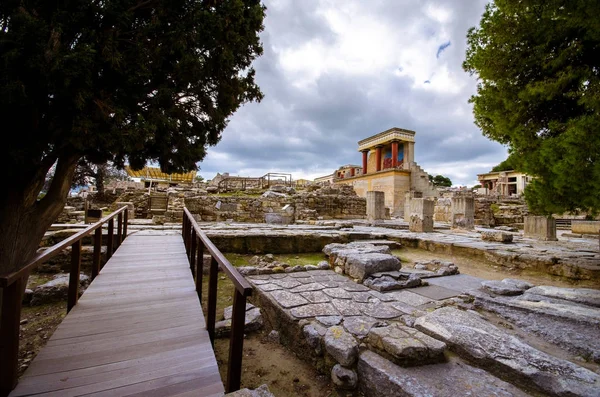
x=442 y=48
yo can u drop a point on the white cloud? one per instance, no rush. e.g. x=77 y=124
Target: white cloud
x=335 y=72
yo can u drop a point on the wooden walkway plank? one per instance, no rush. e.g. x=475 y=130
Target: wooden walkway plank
x=137 y=330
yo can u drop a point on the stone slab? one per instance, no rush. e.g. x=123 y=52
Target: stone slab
x=409 y=297
x=287 y=299
x=458 y=282
x=313 y=310
x=436 y=292
x=380 y=377
x=490 y=347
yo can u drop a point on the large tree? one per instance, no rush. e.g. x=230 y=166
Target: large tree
x=114 y=80
x=539 y=94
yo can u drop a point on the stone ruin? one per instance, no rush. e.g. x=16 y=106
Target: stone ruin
x=398 y=342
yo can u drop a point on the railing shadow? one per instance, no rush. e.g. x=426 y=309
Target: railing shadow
x=196 y=242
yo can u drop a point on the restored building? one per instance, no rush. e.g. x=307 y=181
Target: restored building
x=388 y=165
x=503 y=183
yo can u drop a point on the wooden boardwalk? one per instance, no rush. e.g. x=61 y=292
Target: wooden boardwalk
x=138 y=330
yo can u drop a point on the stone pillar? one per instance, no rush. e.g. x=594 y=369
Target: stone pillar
x=365 y=155
x=375 y=205
x=407 y=197
x=421 y=215
x=394 y=154
x=378 y=158
x=130 y=208
x=540 y=228
x=463 y=212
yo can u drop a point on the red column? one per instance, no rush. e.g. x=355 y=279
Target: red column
x=378 y=158
x=365 y=154
x=352 y=171
x=394 y=154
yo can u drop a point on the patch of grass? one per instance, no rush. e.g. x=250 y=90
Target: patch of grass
x=495 y=208
x=311 y=258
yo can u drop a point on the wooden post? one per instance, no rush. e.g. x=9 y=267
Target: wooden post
x=125 y=220
x=212 y=299
x=97 y=252
x=109 y=242
x=199 y=269
x=73 y=294
x=236 y=342
x=9 y=334
x=119 y=229
x=193 y=252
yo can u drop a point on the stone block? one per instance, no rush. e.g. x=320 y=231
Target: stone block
x=585 y=227
x=506 y=356
x=341 y=345
x=380 y=377
x=375 y=206
x=277 y=219
x=405 y=345
x=540 y=228
x=421 y=215
x=463 y=212
x=130 y=208
x=497 y=236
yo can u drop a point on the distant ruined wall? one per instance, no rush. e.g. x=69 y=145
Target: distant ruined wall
x=326 y=203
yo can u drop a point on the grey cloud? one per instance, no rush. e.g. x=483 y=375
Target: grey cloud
x=314 y=131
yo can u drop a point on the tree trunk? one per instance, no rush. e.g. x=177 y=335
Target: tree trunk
x=24 y=219
x=100 y=179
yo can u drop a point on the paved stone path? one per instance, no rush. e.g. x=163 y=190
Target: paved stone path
x=567 y=257
x=320 y=293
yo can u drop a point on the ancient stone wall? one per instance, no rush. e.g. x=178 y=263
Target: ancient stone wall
x=325 y=203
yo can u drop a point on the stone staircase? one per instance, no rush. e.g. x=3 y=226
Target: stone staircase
x=419 y=180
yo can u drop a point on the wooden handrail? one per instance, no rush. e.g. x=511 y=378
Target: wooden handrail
x=196 y=243
x=13 y=286
x=8 y=279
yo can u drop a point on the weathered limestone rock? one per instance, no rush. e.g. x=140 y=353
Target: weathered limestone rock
x=261 y=391
x=586 y=296
x=497 y=236
x=406 y=346
x=585 y=227
x=375 y=206
x=341 y=345
x=56 y=289
x=506 y=287
x=388 y=283
x=253 y=321
x=421 y=215
x=432 y=268
x=130 y=208
x=463 y=212
x=380 y=377
x=540 y=228
x=489 y=347
x=570 y=325
x=359 y=326
x=343 y=378
x=314 y=334
x=358 y=260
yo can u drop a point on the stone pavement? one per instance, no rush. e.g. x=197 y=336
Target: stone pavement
x=396 y=343
x=569 y=258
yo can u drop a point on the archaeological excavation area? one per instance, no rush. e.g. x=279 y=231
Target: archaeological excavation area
x=387 y=308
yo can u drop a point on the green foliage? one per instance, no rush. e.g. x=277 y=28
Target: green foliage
x=123 y=80
x=440 y=180
x=539 y=93
x=511 y=163
x=476 y=186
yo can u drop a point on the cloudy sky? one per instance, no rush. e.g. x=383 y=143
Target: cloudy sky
x=337 y=71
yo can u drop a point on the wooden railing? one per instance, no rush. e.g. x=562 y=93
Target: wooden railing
x=196 y=242
x=13 y=287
